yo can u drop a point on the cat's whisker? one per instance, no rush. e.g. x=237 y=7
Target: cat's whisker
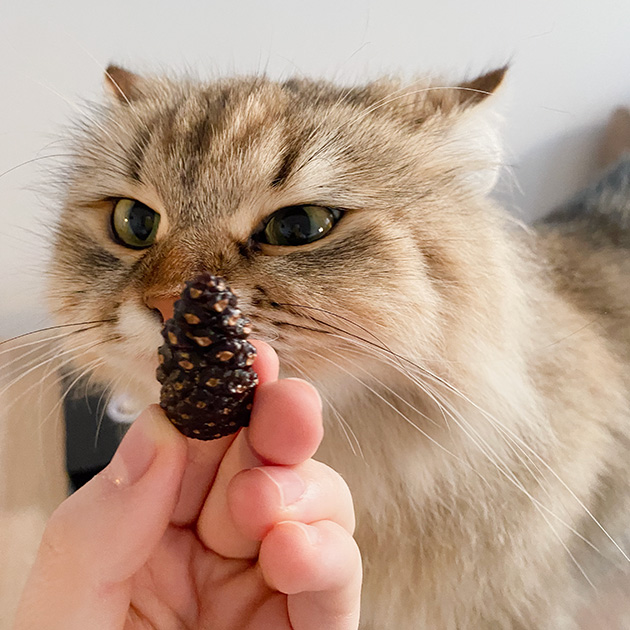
x=20 y=365
x=101 y=406
x=50 y=373
x=419 y=383
x=24 y=373
x=50 y=361
x=427 y=388
x=91 y=365
x=505 y=471
x=40 y=351
x=292 y=364
x=484 y=413
x=53 y=370
x=38 y=158
x=60 y=367
x=571 y=334
x=393 y=392
x=379 y=343
x=538 y=506
x=108 y=393
x=443 y=403
x=46 y=352
x=495 y=422
x=59 y=428
x=39 y=330
x=345 y=427
x=357 y=338
x=343 y=423
x=106 y=396
x=88 y=387
x=424 y=387
x=380 y=397
x=347 y=336
x=458 y=417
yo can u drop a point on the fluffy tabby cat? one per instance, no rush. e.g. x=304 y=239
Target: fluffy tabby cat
x=476 y=375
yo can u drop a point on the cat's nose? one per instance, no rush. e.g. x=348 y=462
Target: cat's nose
x=162 y=305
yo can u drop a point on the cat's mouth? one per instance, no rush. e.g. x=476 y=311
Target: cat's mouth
x=311 y=342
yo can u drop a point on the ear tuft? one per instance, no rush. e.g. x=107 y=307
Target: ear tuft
x=122 y=85
x=479 y=89
x=476 y=130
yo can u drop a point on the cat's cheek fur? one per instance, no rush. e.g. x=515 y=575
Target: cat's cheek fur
x=134 y=358
x=140 y=328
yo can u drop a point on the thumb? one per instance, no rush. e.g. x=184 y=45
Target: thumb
x=105 y=532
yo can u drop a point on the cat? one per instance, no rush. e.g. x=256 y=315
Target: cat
x=475 y=374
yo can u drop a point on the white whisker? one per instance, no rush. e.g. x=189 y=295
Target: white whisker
x=501 y=427
x=47 y=361
x=400 y=413
x=491 y=455
x=85 y=369
x=511 y=476
x=343 y=423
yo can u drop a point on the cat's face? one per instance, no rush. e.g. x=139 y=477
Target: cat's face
x=382 y=247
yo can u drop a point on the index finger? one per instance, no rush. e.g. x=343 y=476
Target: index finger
x=203 y=458
x=285 y=430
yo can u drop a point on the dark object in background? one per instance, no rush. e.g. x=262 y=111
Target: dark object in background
x=89 y=447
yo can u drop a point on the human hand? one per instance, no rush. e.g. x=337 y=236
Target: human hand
x=240 y=533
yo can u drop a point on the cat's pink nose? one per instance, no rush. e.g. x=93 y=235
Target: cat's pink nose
x=164 y=305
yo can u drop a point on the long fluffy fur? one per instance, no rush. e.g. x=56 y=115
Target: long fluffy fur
x=475 y=375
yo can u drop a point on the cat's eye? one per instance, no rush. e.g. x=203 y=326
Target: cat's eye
x=297 y=225
x=134 y=224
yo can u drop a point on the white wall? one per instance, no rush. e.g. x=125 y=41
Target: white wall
x=571 y=63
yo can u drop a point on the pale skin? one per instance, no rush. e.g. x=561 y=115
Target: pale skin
x=241 y=533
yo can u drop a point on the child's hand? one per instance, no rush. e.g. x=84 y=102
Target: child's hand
x=239 y=533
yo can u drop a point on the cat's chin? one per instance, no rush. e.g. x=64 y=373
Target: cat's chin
x=131 y=380
x=123 y=408
x=126 y=404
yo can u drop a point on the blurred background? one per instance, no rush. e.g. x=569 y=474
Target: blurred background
x=570 y=68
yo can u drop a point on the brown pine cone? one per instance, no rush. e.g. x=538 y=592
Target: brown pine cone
x=205 y=363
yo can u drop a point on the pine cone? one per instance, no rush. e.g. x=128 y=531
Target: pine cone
x=205 y=363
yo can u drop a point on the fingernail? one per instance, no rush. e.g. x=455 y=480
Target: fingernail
x=136 y=452
x=311 y=533
x=288 y=482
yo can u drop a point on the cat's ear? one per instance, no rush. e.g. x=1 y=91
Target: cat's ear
x=121 y=85
x=477 y=90
x=476 y=131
